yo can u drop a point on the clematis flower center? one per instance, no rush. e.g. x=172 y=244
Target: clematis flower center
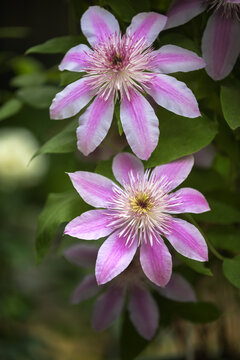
x=229 y=8
x=118 y=64
x=141 y=203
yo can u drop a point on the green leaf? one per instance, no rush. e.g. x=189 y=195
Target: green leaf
x=67 y=77
x=122 y=8
x=59 y=208
x=32 y=79
x=220 y=213
x=63 y=142
x=39 y=97
x=131 y=343
x=197 y=312
x=231 y=270
x=197 y=266
x=117 y=114
x=230 y=96
x=56 y=45
x=180 y=136
x=223 y=239
x=104 y=168
x=10 y=108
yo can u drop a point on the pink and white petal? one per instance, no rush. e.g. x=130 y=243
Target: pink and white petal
x=76 y=59
x=87 y=288
x=98 y=24
x=181 y=11
x=91 y=225
x=173 y=95
x=114 y=256
x=143 y=312
x=187 y=200
x=174 y=173
x=94 y=124
x=233 y=1
x=187 y=240
x=172 y=58
x=125 y=164
x=140 y=124
x=95 y=189
x=178 y=289
x=71 y=100
x=156 y=261
x=107 y=308
x=221 y=45
x=82 y=255
x=146 y=26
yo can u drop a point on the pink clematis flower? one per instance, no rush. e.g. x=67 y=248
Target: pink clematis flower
x=221 y=38
x=137 y=214
x=142 y=307
x=124 y=67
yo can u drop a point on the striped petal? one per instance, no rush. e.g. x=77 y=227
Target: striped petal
x=146 y=26
x=181 y=11
x=94 y=124
x=95 y=189
x=87 y=288
x=171 y=58
x=156 y=261
x=187 y=200
x=82 y=255
x=221 y=45
x=174 y=173
x=173 y=95
x=71 y=100
x=187 y=240
x=143 y=311
x=126 y=164
x=98 y=24
x=76 y=59
x=178 y=289
x=91 y=225
x=107 y=308
x=114 y=256
x=140 y=124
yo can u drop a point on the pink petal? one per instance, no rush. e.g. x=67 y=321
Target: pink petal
x=178 y=289
x=95 y=189
x=125 y=164
x=173 y=95
x=233 y=1
x=71 y=100
x=187 y=200
x=140 y=124
x=171 y=58
x=175 y=172
x=181 y=11
x=187 y=240
x=85 y=290
x=91 y=225
x=94 y=124
x=221 y=45
x=98 y=24
x=146 y=26
x=76 y=59
x=107 y=308
x=82 y=255
x=143 y=312
x=156 y=261
x=114 y=256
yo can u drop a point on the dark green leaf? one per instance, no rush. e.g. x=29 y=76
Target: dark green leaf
x=63 y=142
x=10 y=108
x=221 y=213
x=180 y=136
x=199 y=312
x=104 y=168
x=231 y=270
x=131 y=343
x=122 y=8
x=117 y=114
x=32 y=79
x=39 y=97
x=225 y=239
x=58 y=209
x=197 y=266
x=56 y=45
x=67 y=77
x=230 y=95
